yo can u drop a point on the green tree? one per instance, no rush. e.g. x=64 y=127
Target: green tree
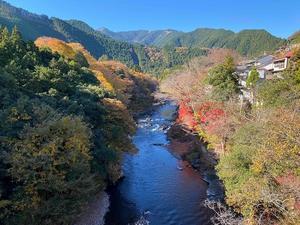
x=16 y=35
x=51 y=161
x=252 y=79
x=283 y=92
x=260 y=171
x=251 y=83
x=81 y=60
x=51 y=158
x=224 y=80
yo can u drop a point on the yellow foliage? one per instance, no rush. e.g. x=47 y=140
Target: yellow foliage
x=114 y=76
x=120 y=123
x=56 y=45
x=280 y=152
x=121 y=86
x=78 y=47
x=104 y=82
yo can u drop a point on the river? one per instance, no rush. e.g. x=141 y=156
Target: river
x=155 y=188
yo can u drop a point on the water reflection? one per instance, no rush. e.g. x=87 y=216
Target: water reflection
x=154 y=188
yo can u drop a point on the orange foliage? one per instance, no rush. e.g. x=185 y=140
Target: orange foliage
x=56 y=45
x=114 y=76
x=186 y=115
x=104 y=82
x=78 y=47
x=212 y=120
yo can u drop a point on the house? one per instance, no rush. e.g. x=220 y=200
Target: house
x=242 y=72
x=268 y=67
x=264 y=61
x=280 y=64
x=263 y=65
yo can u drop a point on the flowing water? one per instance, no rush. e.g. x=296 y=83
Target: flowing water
x=155 y=189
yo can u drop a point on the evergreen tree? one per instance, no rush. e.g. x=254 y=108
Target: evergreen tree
x=59 y=143
x=252 y=79
x=224 y=80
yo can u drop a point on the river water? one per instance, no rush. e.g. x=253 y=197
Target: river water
x=154 y=187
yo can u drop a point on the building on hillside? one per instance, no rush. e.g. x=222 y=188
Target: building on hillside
x=243 y=70
x=264 y=61
x=281 y=64
x=263 y=65
x=268 y=67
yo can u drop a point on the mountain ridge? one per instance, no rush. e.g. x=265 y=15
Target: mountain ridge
x=146 y=37
x=150 y=51
x=246 y=42
x=137 y=56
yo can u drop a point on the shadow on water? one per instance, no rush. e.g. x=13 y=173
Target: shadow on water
x=121 y=210
x=154 y=186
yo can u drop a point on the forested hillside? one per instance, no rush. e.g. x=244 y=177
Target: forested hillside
x=131 y=87
x=33 y=26
x=295 y=38
x=99 y=45
x=246 y=42
x=163 y=48
x=209 y=38
x=145 y=37
x=63 y=127
x=257 y=144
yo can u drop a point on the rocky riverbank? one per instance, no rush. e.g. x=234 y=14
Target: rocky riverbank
x=183 y=144
x=144 y=195
x=188 y=147
x=95 y=212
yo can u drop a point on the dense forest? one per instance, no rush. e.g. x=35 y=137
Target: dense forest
x=70 y=96
x=62 y=130
x=246 y=42
x=257 y=144
x=135 y=48
x=145 y=37
x=33 y=26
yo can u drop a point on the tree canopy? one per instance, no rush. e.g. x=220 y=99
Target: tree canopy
x=224 y=80
x=253 y=78
x=62 y=132
x=258 y=147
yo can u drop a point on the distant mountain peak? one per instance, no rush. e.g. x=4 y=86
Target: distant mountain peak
x=145 y=37
x=103 y=29
x=100 y=42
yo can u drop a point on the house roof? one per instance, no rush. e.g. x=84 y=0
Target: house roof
x=241 y=67
x=249 y=61
x=279 y=59
x=265 y=60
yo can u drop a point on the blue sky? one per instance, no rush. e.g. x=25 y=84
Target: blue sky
x=280 y=17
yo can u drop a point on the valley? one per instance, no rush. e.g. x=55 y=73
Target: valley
x=140 y=127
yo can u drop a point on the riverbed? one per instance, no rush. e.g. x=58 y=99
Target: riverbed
x=156 y=188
